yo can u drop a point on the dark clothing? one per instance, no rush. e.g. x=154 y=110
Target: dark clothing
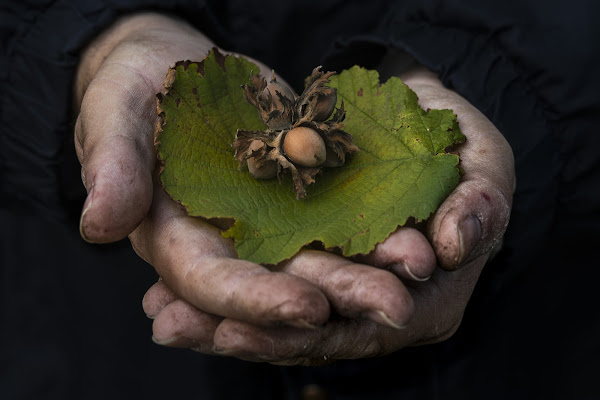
x=71 y=322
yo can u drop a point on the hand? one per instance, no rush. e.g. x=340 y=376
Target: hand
x=464 y=231
x=116 y=86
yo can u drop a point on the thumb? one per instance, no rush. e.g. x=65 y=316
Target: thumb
x=114 y=143
x=472 y=220
x=470 y=223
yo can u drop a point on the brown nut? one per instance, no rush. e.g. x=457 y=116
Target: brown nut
x=332 y=159
x=267 y=170
x=261 y=168
x=302 y=135
x=324 y=107
x=304 y=147
x=273 y=88
x=280 y=97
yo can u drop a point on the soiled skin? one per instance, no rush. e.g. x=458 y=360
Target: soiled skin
x=317 y=307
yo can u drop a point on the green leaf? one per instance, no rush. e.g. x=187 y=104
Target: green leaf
x=401 y=170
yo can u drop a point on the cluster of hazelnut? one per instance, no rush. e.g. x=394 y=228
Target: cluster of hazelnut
x=300 y=136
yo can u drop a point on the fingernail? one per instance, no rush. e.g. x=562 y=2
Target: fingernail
x=403 y=269
x=165 y=342
x=86 y=207
x=382 y=318
x=413 y=276
x=469 y=234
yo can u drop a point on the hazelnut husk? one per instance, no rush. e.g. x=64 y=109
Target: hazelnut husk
x=303 y=135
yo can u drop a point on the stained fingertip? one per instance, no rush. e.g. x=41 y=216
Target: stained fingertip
x=231 y=339
x=470 y=222
x=407 y=253
x=108 y=218
x=119 y=180
x=157 y=298
x=456 y=239
x=103 y=221
x=181 y=325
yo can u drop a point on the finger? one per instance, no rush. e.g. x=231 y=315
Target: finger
x=339 y=339
x=180 y=324
x=200 y=266
x=114 y=143
x=354 y=289
x=470 y=222
x=439 y=306
x=407 y=253
x=157 y=298
x=473 y=219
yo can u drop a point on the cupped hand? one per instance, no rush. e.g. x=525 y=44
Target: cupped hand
x=407 y=300
x=116 y=85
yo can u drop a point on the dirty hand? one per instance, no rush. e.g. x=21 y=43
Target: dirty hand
x=412 y=289
x=116 y=86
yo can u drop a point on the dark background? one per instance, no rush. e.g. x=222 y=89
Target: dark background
x=71 y=323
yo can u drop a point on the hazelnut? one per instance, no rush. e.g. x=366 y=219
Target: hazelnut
x=258 y=166
x=302 y=135
x=324 y=106
x=280 y=97
x=332 y=159
x=274 y=87
x=267 y=170
x=304 y=147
